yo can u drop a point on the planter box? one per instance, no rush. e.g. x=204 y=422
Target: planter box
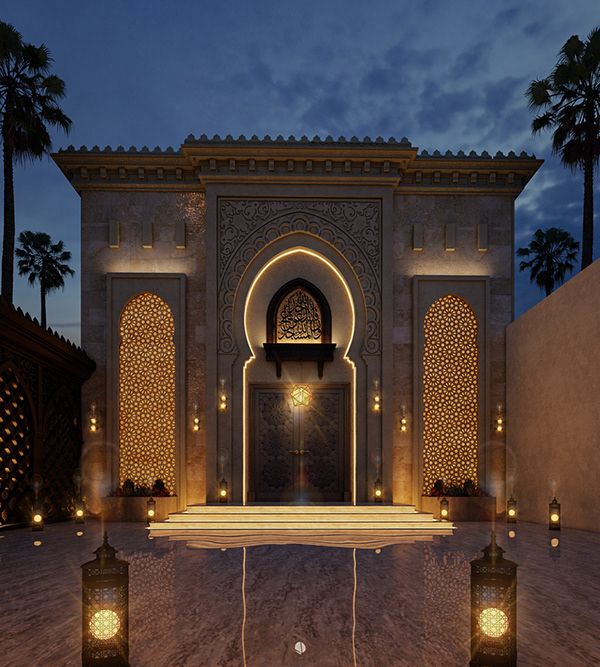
x=462 y=508
x=134 y=508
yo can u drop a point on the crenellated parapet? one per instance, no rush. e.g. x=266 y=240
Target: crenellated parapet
x=388 y=162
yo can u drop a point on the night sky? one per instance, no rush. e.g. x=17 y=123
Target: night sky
x=448 y=75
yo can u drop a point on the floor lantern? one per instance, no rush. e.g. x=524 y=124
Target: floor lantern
x=554 y=515
x=378 y=490
x=150 y=511
x=444 y=509
x=511 y=510
x=37 y=518
x=105 y=609
x=493 y=609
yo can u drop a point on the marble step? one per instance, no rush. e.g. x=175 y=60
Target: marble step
x=301 y=509
x=313 y=519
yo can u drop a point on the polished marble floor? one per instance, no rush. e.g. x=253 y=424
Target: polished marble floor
x=406 y=605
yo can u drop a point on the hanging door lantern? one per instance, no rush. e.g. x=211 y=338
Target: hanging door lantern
x=493 y=609
x=301 y=395
x=105 y=609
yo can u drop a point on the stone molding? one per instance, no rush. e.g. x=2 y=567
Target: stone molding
x=354 y=228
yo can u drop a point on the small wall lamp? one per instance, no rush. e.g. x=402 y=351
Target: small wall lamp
x=376 y=404
x=499 y=423
x=93 y=419
x=403 y=419
x=195 y=419
x=222 y=396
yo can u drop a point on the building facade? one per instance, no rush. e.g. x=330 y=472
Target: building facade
x=303 y=319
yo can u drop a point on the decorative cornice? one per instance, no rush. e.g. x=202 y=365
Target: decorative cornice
x=354 y=161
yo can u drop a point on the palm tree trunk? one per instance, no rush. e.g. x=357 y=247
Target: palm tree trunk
x=8 y=240
x=587 y=236
x=43 y=306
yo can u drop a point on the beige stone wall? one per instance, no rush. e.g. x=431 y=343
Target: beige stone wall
x=130 y=210
x=554 y=404
x=433 y=213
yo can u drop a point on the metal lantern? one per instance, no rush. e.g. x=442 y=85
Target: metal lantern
x=554 y=515
x=444 y=509
x=105 y=609
x=511 y=510
x=79 y=512
x=301 y=395
x=37 y=517
x=493 y=609
x=150 y=511
x=223 y=492
x=378 y=490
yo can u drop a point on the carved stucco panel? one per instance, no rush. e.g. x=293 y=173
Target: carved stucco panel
x=352 y=227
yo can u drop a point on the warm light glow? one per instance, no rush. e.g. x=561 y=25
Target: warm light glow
x=301 y=395
x=378 y=493
x=147 y=391
x=196 y=424
x=342 y=281
x=79 y=513
x=223 y=493
x=450 y=393
x=554 y=542
x=512 y=534
x=512 y=512
x=79 y=533
x=37 y=543
x=493 y=622
x=151 y=513
x=554 y=517
x=37 y=518
x=93 y=428
x=444 y=512
x=403 y=424
x=223 y=405
x=105 y=624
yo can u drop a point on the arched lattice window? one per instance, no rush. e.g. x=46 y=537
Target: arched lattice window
x=450 y=393
x=15 y=446
x=147 y=392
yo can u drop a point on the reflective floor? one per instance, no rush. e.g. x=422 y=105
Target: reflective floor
x=406 y=605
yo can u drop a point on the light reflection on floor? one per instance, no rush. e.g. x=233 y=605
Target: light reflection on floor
x=406 y=605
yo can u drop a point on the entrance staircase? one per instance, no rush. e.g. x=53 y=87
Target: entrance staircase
x=363 y=526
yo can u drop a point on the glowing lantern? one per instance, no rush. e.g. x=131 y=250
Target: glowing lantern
x=493 y=609
x=444 y=509
x=37 y=518
x=511 y=510
x=554 y=515
x=301 y=395
x=79 y=512
x=150 y=511
x=105 y=610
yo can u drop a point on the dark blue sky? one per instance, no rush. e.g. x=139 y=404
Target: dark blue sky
x=448 y=75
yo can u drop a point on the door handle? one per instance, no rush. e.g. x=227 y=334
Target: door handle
x=294 y=451
x=304 y=451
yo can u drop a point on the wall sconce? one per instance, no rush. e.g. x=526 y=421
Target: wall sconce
x=444 y=509
x=150 y=511
x=403 y=419
x=554 y=515
x=93 y=424
x=499 y=423
x=222 y=396
x=223 y=491
x=376 y=404
x=493 y=609
x=195 y=419
x=378 y=490
x=511 y=510
x=105 y=609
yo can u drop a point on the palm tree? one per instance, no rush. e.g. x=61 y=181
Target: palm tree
x=44 y=262
x=569 y=102
x=553 y=253
x=28 y=105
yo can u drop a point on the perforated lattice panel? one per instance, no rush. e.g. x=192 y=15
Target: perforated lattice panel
x=15 y=446
x=450 y=393
x=299 y=319
x=147 y=392
x=61 y=456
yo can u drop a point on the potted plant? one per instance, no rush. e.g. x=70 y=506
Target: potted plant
x=466 y=502
x=129 y=502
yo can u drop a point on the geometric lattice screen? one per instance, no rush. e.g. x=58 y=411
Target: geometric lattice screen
x=147 y=392
x=15 y=446
x=450 y=393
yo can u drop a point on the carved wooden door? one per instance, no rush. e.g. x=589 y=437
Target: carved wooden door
x=299 y=454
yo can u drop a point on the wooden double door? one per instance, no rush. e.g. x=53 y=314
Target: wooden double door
x=299 y=453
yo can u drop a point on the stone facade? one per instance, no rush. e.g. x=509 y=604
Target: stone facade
x=374 y=224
